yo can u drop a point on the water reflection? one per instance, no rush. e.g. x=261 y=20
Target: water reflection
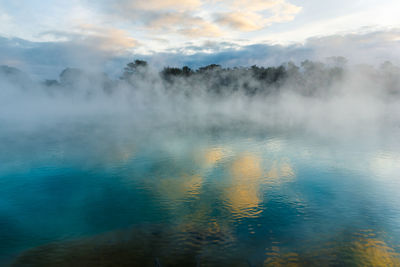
x=245 y=174
x=243 y=194
x=213 y=155
x=226 y=201
x=185 y=245
x=211 y=245
x=249 y=176
x=286 y=169
x=362 y=248
x=368 y=250
x=385 y=164
x=175 y=188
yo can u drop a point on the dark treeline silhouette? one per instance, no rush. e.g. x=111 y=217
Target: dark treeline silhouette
x=309 y=78
x=331 y=98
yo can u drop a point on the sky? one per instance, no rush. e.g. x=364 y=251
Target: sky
x=43 y=36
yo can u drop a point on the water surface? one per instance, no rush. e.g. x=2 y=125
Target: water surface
x=96 y=196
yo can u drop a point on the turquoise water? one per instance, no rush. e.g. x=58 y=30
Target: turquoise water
x=97 y=196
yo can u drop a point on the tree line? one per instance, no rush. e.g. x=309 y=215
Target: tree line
x=308 y=78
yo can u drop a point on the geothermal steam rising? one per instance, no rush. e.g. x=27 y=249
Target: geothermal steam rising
x=316 y=97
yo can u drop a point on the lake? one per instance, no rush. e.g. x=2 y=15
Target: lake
x=96 y=195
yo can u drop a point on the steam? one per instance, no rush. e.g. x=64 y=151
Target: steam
x=320 y=98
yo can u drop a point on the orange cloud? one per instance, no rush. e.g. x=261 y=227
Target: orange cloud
x=255 y=5
x=206 y=18
x=178 y=5
x=184 y=24
x=107 y=39
x=256 y=14
x=241 y=21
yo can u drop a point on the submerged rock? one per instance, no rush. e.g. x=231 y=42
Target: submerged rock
x=141 y=246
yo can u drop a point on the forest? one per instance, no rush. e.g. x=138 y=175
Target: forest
x=309 y=78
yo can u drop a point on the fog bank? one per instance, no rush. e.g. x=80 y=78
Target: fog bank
x=327 y=98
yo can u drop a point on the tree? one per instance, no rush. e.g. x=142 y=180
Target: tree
x=132 y=68
x=169 y=73
x=211 y=67
x=186 y=71
x=71 y=76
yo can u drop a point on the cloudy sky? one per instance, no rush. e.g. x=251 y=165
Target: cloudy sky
x=44 y=35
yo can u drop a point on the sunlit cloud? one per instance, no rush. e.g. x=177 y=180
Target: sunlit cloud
x=256 y=15
x=241 y=21
x=131 y=22
x=109 y=38
x=185 y=24
x=81 y=48
x=103 y=38
x=134 y=5
x=201 y=18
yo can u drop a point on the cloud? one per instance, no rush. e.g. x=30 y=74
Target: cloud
x=105 y=39
x=201 y=18
x=232 y=56
x=133 y=6
x=240 y=21
x=204 y=29
x=284 y=12
x=47 y=59
x=256 y=14
x=277 y=7
x=108 y=38
x=184 y=24
x=6 y=22
x=163 y=17
x=375 y=46
x=255 y=5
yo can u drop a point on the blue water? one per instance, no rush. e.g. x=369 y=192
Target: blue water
x=95 y=195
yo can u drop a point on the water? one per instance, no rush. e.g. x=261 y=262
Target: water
x=96 y=196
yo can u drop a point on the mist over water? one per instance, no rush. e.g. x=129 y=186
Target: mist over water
x=328 y=99
x=238 y=167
